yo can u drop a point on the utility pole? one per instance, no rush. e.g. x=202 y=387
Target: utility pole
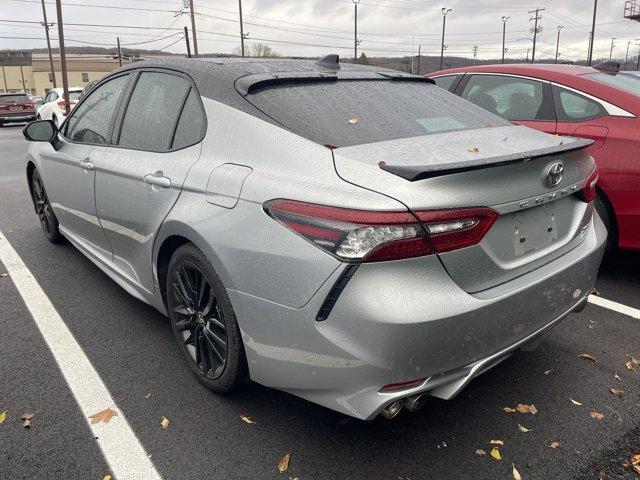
x=535 y=18
x=626 y=57
x=186 y=38
x=504 y=35
x=593 y=32
x=419 y=48
x=475 y=53
x=46 y=32
x=560 y=27
x=445 y=11
x=193 y=29
x=241 y=28
x=611 y=49
x=63 y=57
x=528 y=50
x=119 y=52
x=356 y=42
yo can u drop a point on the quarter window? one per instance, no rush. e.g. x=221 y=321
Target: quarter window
x=512 y=98
x=445 y=82
x=90 y=121
x=152 y=114
x=192 y=123
x=573 y=107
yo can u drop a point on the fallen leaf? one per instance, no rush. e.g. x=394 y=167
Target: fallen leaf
x=516 y=473
x=495 y=453
x=504 y=140
x=147 y=396
x=596 y=415
x=554 y=445
x=523 y=429
x=616 y=376
x=509 y=409
x=547 y=372
x=4 y=274
x=526 y=409
x=575 y=402
x=246 y=419
x=634 y=463
x=497 y=442
x=164 y=423
x=595 y=291
x=634 y=360
x=353 y=120
x=106 y=477
x=588 y=356
x=480 y=452
x=3 y=416
x=617 y=392
x=283 y=463
x=473 y=150
x=104 y=416
x=25 y=419
x=631 y=366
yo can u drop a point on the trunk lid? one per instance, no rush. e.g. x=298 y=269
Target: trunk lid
x=505 y=168
x=15 y=104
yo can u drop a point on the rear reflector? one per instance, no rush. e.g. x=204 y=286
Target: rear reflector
x=589 y=193
x=370 y=236
x=392 y=387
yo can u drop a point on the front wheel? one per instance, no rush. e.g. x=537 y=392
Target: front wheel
x=203 y=321
x=48 y=220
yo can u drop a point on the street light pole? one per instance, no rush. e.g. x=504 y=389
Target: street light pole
x=119 y=52
x=560 y=27
x=355 y=31
x=593 y=32
x=193 y=29
x=241 y=28
x=626 y=57
x=611 y=49
x=419 y=48
x=186 y=39
x=63 y=57
x=535 y=31
x=504 y=35
x=46 y=31
x=445 y=11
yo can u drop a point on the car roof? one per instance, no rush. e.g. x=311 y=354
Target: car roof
x=534 y=70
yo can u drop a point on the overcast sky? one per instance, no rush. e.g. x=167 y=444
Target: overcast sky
x=315 y=27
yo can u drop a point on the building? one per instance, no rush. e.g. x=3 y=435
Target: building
x=31 y=73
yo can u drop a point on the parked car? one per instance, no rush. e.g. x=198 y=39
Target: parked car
x=53 y=107
x=352 y=235
x=16 y=108
x=576 y=101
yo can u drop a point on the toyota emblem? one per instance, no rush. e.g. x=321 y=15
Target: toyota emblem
x=554 y=174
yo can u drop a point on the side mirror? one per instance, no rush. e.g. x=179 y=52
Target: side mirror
x=42 y=131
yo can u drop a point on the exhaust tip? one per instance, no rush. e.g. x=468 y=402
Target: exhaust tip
x=393 y=409
x=416 y=402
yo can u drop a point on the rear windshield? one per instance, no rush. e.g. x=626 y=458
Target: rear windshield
x=18 y=98
x=346 y=113
x=75 y=95
x=623 y=81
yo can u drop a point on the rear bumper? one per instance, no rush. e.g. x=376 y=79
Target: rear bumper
x=22 y=117
x=404 y=320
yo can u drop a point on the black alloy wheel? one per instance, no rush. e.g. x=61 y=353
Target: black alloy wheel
x=47 y=218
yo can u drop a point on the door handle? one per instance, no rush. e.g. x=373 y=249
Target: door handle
x=157 y=180
x=87 y=165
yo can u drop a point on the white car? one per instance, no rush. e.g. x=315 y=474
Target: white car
x=53 y=107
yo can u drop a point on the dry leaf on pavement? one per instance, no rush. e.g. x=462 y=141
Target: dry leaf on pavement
x=103 y=416
x=283 y=463
x=575 y=402
x=634 y=360
x=523 y=429
x=588 y=356
x=164 y=423
x=617 y=392
x=4 y=275
x=246 y=419
x=631 y=366
x=547 y=372
x=523 y=408
x=25 y=419
x=616 y=376
x=509 y=409
x=473 y=149
x=516 y=473
x=634 y=463
x=3 y=416
x=106 y=477
x=147 y=396
x=480 y=452
x=553 y=445
x=495 y=453
x=597 y=415
x=497 y=442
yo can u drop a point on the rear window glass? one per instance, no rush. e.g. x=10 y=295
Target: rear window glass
x=623 y=81
x=14 y=98
x=346 y=113
x=75 y=95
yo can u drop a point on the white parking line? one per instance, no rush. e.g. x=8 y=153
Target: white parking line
x=615 y=306
x=121 y=448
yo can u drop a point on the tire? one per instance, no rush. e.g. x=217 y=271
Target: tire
x=48 y=219
x=607 y=217
x=201 y=316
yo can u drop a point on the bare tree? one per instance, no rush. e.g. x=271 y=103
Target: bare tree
x=261 y=50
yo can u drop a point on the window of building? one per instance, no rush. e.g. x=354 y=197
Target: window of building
x=85 y=77
x=50 y=77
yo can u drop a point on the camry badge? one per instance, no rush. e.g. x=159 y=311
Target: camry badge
x=554 y=174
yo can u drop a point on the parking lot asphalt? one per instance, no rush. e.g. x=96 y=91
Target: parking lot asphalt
x=131 y=347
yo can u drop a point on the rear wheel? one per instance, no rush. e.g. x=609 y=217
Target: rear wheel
x=47 y=218
x=203 y=321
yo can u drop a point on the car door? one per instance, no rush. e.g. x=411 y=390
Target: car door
x=525 y=101
x=140 y=178
x=45 y=112
x=69 y=172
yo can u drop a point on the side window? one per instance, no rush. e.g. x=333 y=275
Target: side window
x=90 y=121
x=192 y=123
x=152 y=114
x=446 y=82
x=512 y=98
x=573 y=107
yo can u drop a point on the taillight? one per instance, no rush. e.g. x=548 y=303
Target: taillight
x=369 y=236
x=589 y=193
x=60 y=103
x=30 y=105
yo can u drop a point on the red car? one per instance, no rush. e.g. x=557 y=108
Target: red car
x=16 y=107
x=576 y=101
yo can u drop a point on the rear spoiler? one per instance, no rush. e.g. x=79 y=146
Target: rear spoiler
x=414 y=173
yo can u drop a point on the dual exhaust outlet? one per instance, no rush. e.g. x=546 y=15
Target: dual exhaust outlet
x=413 y=404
